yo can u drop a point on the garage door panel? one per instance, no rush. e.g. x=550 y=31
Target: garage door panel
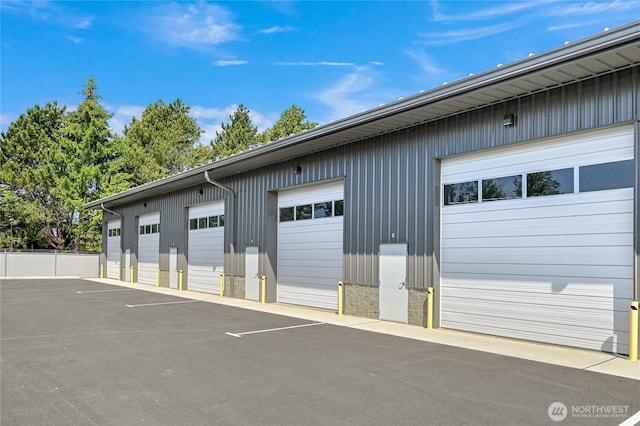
x=495 y=270
x=318 y=296
x=311 y=261
x=590 y=224
x=556 y=269
x=148 y=250
x=113 y=249
x=592 y=148
x=302 y=271
x=310 y=252
x=584 y=306
x=616 y=256
x=204 y=279
x=312 y=246
x=585 y=240
x=591 y=287
x=544 y=332
x=472 y=213
x=205 y=255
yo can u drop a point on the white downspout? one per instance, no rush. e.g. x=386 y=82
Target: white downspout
x=233 y=227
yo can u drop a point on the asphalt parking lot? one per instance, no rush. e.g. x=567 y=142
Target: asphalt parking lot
x=76 y=352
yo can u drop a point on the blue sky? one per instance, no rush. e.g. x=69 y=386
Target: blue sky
x=333 y=59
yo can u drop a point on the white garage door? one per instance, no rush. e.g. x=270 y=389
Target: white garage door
x=537 y=241
x=113 y=249
x=206 y=247
x=310 y=248
x=148 y=247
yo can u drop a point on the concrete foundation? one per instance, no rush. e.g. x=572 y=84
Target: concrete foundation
x=362 y=300
x=417 y=306
x=238 y=287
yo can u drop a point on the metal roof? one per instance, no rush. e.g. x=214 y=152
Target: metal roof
x=612 y=50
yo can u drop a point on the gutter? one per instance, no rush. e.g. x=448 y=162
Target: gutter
x=234 y=228
x=109 y=211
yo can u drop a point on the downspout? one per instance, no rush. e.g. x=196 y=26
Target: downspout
x=109 y=211
x=234 y=228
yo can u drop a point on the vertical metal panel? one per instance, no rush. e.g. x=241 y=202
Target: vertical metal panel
x=391 y=181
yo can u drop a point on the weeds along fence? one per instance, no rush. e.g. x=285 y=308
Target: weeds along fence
x=43 y=263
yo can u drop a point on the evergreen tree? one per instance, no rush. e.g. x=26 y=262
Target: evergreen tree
x=293 y=120
x=36 y=209
x=91 y=152
x=236 y=136
x=162 y=142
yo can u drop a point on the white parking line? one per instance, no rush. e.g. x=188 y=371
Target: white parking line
x=631 y=421
x=161 y=303
x=104 y=291
x=272 y=329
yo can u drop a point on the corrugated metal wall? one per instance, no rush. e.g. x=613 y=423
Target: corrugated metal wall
x=392 y=181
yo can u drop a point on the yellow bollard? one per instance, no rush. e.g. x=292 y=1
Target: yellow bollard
x=180 y=272
x=132 y=274
x=102 y=270
x=430 y=308
x=633 y=331
x=263 y=286
x=158 y=277
x=340 y=297
x=221 y=285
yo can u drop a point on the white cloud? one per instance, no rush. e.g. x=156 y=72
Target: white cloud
x=122 y=115
x=316 y=64
x=210 y=119
x=591 y=8
x=76 y=40
x=230 y=62
x=444 y=38
x=84 y=23
x=504 y=8
x=46 y=11
x=278 y=29
x=426 y=63
x=350 y=95
x=193 y=25
x=571 y=25
x=6 y=120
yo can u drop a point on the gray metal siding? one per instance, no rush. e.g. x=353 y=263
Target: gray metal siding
x=391 y=181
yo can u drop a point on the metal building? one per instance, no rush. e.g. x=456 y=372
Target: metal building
x=513 y=193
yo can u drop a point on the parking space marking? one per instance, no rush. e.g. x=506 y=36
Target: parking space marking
x=244 y=333
x=161 y=303
x=631 y=421
x=104 y=291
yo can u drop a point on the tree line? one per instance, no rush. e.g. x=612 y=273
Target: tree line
x=52 y=161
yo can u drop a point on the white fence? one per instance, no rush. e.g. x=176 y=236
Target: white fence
x=32 y=264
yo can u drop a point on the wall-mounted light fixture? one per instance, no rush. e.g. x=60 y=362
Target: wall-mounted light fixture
x=297 y=170
x=509 y=120
x=145 y=204
x=201 y=191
